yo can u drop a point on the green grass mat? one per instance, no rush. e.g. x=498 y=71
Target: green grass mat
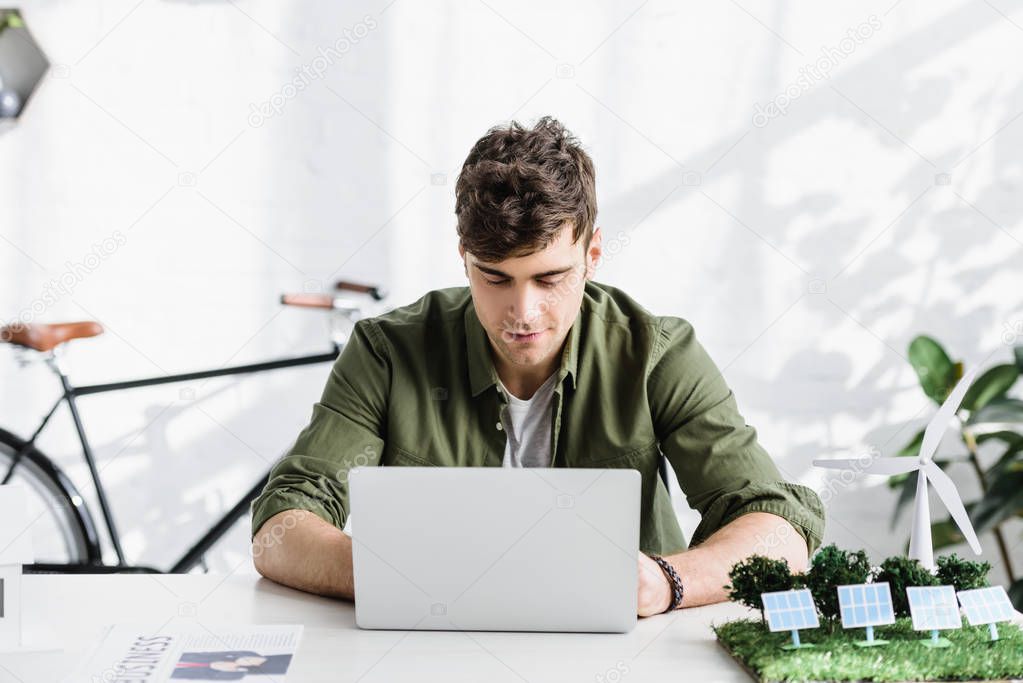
x=834 y=657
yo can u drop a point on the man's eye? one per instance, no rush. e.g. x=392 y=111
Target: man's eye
x=496 y=283
x=548 y=283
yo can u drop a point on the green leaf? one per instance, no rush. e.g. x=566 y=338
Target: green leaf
x=946 y=533
x=1004 y=498
x=11 y=20
x=1010 y=438
x=1016 y=594
x=935 y=370
x=992 y=384
x=999 y=415
x=913 y=447
x=1008 y=460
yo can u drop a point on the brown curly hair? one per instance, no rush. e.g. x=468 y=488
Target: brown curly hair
x=519 y=186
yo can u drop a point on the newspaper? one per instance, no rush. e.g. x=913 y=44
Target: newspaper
x=147 y=654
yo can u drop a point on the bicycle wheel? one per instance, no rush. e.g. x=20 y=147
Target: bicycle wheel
x=59 y=521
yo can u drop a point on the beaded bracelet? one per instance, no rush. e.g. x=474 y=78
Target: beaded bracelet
x=677 y=590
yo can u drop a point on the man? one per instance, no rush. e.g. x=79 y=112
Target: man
x=232 y=665
x=535 y=365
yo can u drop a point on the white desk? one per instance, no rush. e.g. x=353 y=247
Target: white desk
x=74 y=609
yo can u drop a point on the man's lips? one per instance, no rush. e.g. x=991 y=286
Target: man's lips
x=531 y=336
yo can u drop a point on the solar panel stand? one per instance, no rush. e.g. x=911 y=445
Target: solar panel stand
x=936 y=640
x=934 y=609
x=866 y=606
x=790 y=611
x=986 y=607
x=870 y=641
x=796 y=643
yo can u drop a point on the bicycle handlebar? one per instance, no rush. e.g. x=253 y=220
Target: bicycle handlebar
x=374 y=291
x=329 y=301
x=308 y=300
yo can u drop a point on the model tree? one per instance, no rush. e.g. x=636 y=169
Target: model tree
x=900 y=572
x=831 y=567
x=755 y=575
x=963 y=574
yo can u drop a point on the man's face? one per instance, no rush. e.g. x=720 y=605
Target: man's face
x=238 y=664
x=527 y=304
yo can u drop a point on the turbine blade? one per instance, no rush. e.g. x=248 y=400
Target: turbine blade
x=937 y=426
x=946 y=490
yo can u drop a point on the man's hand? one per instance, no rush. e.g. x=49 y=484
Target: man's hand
x=654 y=588
x=704 y=568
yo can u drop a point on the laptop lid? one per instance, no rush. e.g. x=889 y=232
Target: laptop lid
x=489 y=548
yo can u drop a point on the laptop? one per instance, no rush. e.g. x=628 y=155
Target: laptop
x=495 y=549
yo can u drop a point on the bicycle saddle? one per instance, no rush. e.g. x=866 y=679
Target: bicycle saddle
x=41 y=337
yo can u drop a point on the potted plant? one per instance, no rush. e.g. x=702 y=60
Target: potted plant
x=989 y=417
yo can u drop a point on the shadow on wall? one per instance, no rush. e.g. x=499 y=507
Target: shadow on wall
x=866 y=262
x=174 y=470
x=866 y=286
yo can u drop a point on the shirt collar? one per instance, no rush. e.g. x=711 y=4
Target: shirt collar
x=483 y=375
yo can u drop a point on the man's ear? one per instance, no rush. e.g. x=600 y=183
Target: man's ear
x=461 y=255
x=593 y=253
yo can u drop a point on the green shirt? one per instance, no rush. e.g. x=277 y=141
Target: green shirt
x=417 y=386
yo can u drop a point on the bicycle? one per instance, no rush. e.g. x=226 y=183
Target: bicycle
x=73 y=533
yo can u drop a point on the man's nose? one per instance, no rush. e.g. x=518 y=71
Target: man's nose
x=525 y=305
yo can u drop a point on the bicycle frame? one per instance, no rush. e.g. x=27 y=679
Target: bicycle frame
x=71 y=393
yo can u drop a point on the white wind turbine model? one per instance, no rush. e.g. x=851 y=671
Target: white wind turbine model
x=920 y=547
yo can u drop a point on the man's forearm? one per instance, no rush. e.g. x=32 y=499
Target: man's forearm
x=704 y=568
x=299 y=549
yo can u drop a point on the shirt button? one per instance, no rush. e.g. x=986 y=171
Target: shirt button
x=499 y=426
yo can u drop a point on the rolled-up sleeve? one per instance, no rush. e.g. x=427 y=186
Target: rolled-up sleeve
x=345 y=431
x=722 y=469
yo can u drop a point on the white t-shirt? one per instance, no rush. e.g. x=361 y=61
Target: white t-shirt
x=527 y=425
